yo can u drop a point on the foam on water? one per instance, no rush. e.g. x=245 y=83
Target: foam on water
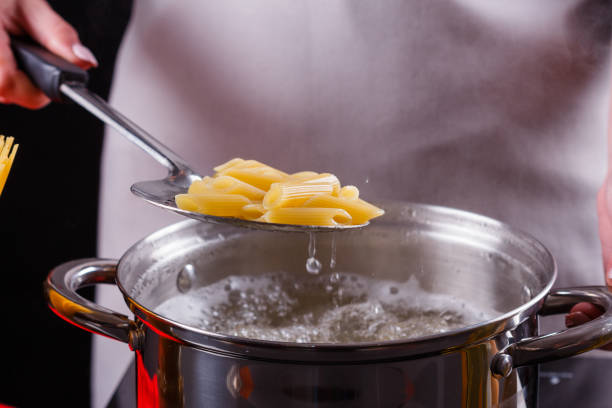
x=318 y=309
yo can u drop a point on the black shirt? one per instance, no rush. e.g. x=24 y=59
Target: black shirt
x=48 y=216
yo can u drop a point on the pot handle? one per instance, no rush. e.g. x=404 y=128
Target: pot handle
x=566 y=343
x=60 y=290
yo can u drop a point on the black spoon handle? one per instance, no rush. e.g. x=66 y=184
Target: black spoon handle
x=46 y=70
x=63 y=81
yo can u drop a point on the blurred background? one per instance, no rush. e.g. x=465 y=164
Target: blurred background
x=499 y=109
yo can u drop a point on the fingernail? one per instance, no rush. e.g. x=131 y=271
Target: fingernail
x=575 y=319
x=84 y=54
x=609 y=277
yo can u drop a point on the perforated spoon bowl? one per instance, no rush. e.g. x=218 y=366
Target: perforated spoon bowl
x=62 y=81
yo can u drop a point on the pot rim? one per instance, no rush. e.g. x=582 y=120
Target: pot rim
x=392 y=349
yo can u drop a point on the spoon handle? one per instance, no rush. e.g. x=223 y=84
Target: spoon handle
x=60 y=80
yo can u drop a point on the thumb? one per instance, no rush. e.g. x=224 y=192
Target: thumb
x=54 y=33
x=581 y=313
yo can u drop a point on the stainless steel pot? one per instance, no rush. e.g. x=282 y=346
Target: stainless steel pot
x=491 y=364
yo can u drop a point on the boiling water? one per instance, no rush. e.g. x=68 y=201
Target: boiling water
x=336 y=308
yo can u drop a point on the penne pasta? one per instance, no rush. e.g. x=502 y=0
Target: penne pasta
x=222 y=205
x=349 y=193
x=360 y=211
x=253 y=164
x=260 y=177
x=201 y=186
x=231 y=185
x=308 y=216
x=325 y=178
x=304 y=175
x=295 y=193
x=253 y=211
x=228 y=164
x=252 y=190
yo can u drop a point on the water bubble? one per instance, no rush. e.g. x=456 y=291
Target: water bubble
x=313 y=265
x=334 y=277
x=185 y=278
x=234 y=295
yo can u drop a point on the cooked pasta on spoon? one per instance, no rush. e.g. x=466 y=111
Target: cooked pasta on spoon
x=250 y=190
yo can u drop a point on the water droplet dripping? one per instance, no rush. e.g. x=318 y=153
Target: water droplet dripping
x=312 y=264
x=312 y=241
x=332 y=260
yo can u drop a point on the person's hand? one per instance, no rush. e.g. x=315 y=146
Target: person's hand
x=36 y=19
x=604 y=214
x=584 y=312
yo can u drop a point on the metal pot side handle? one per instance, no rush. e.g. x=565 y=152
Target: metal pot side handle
x=563 y=344
x=60 y=290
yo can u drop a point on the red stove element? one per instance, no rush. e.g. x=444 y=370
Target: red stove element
x=148 y=392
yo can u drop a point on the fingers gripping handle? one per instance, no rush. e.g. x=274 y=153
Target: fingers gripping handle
x=60 y=80
x=566 y=343
x=46 y=70
x=60 y=290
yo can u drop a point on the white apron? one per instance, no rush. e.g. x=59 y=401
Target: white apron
x=476 y=104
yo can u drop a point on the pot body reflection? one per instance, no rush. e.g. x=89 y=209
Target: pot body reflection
x=173 y=375
x=449 y=253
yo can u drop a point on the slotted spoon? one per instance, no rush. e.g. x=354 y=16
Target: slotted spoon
x=60 y=80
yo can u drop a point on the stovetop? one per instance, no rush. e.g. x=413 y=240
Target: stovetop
x=584 y=381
